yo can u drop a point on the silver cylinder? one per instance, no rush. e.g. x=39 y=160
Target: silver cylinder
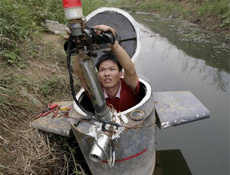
x=135 y=147
x=99 y=148
x=95 y=89
x=73 y=13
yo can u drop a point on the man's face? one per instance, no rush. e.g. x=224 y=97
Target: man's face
x=109 y=74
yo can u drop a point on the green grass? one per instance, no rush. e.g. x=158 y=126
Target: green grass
x=91 y=5
x=216 y=10
x=20 y=19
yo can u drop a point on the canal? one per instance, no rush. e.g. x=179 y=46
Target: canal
x=177 y=56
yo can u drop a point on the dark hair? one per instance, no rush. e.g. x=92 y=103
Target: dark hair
x=108 y=56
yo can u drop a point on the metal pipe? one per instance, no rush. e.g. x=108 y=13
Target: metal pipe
x=95 y=89
x=99 y=148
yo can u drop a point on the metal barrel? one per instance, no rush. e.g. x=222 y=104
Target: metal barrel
x=134 y=148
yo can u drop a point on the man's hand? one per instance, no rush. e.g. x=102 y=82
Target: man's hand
x=98 y=30
x=68 y=33
x=104 y=28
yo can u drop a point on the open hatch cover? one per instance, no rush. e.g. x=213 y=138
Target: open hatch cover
x=124 y=24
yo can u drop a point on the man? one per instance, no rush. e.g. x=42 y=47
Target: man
x=121 y=93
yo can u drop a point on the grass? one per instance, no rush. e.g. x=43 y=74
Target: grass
x=91 y=5
x=32 y=74
x=213 y=15
x=24 y=91
x=20 y=19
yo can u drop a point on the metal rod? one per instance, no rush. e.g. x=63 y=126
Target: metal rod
x=95 y=89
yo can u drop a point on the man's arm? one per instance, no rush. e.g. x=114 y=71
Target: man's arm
x=122 y=56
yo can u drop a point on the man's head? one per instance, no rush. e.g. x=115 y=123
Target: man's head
x=108 y=56
x=109 y=70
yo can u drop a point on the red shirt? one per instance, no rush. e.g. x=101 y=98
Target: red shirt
x=126 y=99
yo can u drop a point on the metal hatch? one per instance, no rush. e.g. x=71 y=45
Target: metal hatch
x=126 y=27
x=178 y=107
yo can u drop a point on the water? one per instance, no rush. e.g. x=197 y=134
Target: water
x=174 y=63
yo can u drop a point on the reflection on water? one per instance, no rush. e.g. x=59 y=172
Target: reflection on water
x=171 y=162
x=199 y=63
x=171 y=65
x=190 y=39
x=190 y=65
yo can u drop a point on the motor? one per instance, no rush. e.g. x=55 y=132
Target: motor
x=83 y=37
x=89 y=40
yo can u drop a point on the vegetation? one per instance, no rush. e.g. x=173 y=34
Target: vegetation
x=20 y=19
x=91 y=5
x=213 y=15
x=25 y=90
x=32 y=74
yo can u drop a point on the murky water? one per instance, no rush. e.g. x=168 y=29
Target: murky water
x=173 y=61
